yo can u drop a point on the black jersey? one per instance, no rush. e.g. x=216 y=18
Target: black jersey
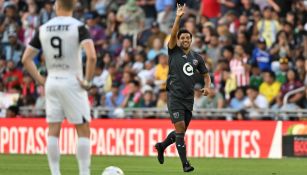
x=182 y=68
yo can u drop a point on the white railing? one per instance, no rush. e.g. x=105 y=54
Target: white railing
x=286 y=97
x=225 y=113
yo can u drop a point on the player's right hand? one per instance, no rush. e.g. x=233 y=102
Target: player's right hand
x=180 y=10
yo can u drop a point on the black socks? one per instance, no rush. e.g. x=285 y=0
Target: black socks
x=170 y=139
x=180 y=145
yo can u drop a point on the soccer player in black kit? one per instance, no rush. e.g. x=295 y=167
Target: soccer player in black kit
x=183 y=64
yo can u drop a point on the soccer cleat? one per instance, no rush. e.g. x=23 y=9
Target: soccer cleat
x=187 y=167
x=160 y=151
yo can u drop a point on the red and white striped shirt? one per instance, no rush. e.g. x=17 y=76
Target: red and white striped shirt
x=238 y=70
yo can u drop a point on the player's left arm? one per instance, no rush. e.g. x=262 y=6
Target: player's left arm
x=207 y=81
x=87 y=43
x=27 y=59
x=204 y=71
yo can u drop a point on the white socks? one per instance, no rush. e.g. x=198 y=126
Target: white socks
x=53 y=153
x=84 y=155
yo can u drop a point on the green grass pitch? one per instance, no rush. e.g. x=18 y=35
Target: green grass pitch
x=37 y=165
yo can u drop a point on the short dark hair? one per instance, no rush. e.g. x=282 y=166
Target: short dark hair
x=254 y=88
x=67 y=4
x=271 y=73
x=182 y=31
x=136 y=83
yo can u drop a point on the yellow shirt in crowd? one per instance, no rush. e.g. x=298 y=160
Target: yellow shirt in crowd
x=270 y=91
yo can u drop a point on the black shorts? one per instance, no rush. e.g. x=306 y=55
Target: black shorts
x=180 y=110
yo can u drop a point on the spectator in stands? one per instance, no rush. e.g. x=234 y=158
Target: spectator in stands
x=156 y=50
x=147 y=76
x=132 y=18
x=149 y=8
x=2 y=68
x=12 y=77
x=147 y=36
x=230 y=84
x=281 y=48
x=281 y=6
x=232 y=21
x=268 y=27
x=126 y=79
x=138 y=64
x=126 y=47
x=97 y=32
x=47 y=12
x=114 y=98
x=28 y=86
x=30 y=21
x=102 y=79
x=300 y=68
x=255 y=101
x=198 y=45
x=111 y=25
x=292 y=83
x=214 y=50
x=190 y=25
x=256 y=78
x=239 y=66
x=148 y=100
x=161 y=71
x=94 y=96
x=227 y=53
x=248 y=7
x=134 y=96
x=261 y=56
x=228 y=5
x=13 y=51
x=210 y=9
x=237 y=102
x=207 y=31
x=270 y=88
x=198 y=97
x=12 y=112
x=165 y=12
x=281 y=75
x=162 y=100
x=243 y=40
x=9 y=22
x=100 y=6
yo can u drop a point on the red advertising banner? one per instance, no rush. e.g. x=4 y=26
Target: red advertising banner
x=236 y=139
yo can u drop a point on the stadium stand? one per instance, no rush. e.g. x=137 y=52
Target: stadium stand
x=256 y=52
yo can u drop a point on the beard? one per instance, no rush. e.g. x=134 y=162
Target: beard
x=185 y=46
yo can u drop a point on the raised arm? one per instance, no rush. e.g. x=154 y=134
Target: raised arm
x=173 y=40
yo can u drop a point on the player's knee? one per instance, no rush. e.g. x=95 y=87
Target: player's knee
x=83 y=130
x=180 y=127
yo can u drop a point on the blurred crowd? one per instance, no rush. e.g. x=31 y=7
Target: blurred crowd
x=255 y=51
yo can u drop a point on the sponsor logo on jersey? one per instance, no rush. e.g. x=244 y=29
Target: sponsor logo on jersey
x=195 y=62
x=188 y=69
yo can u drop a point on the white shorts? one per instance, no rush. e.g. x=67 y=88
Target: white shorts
x=66 y=99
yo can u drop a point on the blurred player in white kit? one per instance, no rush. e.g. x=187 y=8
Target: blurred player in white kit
x=61 y=41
